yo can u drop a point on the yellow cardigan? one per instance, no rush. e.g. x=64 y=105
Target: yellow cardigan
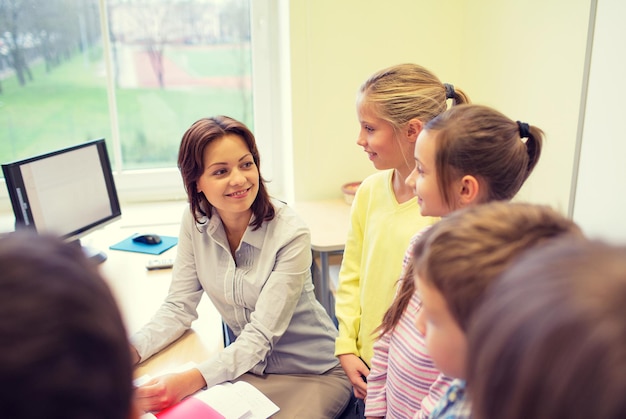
x=379 y=235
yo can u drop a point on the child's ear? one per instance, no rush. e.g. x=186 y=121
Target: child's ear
x=470 y=190
x=413 y=129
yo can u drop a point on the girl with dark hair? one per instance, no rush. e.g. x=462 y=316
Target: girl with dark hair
x=549 y=340
x=455 y=264
x=468 y=155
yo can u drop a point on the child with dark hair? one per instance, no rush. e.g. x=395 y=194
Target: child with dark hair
x=466 y=156
x=549 y=340
x=455 y=263
x=63 y=345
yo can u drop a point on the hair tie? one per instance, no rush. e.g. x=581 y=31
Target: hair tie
x=449 y=91
x=524 y=129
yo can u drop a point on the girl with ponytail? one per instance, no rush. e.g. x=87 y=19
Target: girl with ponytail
x=468 y=155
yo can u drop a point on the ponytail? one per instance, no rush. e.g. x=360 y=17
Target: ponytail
x=458 y=96
x=533 y=147
x=480 y=141
x=400 y=303
x=406 y=285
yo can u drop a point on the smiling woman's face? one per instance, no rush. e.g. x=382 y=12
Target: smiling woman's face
x=230 y=181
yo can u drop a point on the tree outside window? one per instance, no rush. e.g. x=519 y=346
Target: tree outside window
x=169 y=63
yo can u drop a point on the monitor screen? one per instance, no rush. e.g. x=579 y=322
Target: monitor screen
x=68 y=192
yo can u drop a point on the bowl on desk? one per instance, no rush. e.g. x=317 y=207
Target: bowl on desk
x=348 y=190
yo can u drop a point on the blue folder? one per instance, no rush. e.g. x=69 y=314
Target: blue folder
x=128 y=245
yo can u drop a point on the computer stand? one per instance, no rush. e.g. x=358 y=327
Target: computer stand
x=93 y=254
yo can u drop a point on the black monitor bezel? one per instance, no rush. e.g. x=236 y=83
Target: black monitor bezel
x=23 y=215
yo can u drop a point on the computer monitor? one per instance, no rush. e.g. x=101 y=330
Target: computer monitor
x=69 y=192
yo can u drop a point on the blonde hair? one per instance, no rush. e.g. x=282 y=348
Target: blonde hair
x=407 y=91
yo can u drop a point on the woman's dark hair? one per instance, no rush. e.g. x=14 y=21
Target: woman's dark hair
x=549 y=341
x=191 y=165
x=63 y=345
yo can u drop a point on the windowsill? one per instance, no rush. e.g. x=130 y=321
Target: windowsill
x=145 y=214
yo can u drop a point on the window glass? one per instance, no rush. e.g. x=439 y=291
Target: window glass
x=52 y=82
x=162 y=65
x=173 y=63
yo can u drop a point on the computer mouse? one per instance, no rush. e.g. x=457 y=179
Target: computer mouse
x=147 y=239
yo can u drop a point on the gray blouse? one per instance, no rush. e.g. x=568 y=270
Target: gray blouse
x=265 y=295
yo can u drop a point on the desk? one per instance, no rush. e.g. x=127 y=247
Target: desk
x=329 y=221
x=140 y=292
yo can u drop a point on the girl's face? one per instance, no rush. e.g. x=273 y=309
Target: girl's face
x=423 y=179
x=445 y=340
x=230 y=181
x=378 y=139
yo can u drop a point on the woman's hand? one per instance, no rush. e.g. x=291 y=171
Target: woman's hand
x=356 y=370
x=169 y=389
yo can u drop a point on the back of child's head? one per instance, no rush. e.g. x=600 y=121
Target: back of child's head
x=464 y=253
x=65 y=352
x=480 y=141
x=407 y=91
x=549 y=341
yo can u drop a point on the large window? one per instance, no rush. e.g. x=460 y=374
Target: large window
x=136 y=72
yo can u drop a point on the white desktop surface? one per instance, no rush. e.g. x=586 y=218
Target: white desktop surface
x=328 y=220
x=140 y=292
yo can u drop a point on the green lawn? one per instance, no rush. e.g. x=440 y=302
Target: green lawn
x=219 y=61
x=70 y=105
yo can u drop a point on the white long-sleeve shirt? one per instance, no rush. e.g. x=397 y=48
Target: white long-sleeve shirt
x=264 y=294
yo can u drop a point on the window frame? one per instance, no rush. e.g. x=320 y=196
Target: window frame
x=271 y=105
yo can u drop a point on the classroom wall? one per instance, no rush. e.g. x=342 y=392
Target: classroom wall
x=598 y=200
x=524 y=58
